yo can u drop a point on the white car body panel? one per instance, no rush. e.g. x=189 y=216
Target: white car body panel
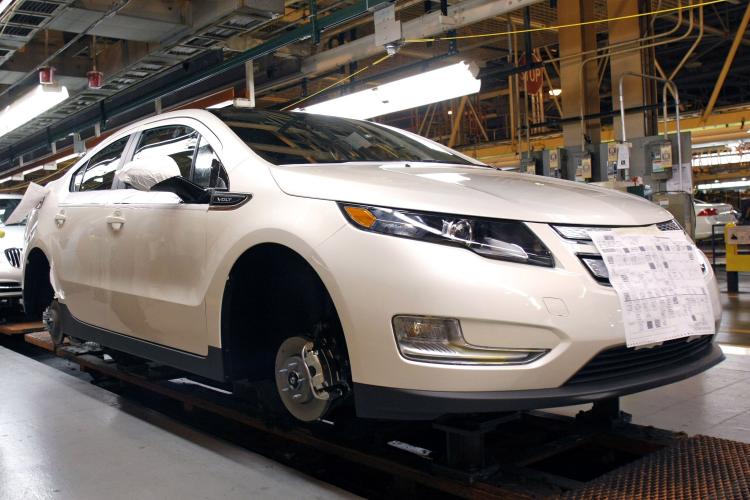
x=725 y=214
x=467 y=190
x=161 y=276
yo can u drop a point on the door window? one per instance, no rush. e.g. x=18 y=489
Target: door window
x=208 y=171
x=100 y=169
x=176 y=141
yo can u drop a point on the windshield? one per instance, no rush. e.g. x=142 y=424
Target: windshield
x=7 y=205
x=293 y=138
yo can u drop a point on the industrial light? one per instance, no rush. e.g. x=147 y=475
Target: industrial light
x=31 y=105
x=724 y=185
x=222 y=104
x=438 y=85
x=4 y=5
x=555 y=92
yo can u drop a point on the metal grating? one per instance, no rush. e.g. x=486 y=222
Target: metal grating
x=27 y=19
x=39 y=7
x=16 y=31
x=626 y=361
x=699 y=467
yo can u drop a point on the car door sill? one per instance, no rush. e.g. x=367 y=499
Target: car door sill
x=210 y=366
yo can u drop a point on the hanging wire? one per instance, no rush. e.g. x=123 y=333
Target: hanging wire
x=338 y=82
x=563 y=26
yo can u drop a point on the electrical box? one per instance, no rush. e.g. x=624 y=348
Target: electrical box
x=679 y=204
x=654 y=159
x=546 y=162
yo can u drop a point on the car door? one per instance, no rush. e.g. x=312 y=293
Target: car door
x=157 y=248
x=78 y=247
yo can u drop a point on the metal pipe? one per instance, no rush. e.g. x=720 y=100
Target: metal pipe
x=641 y=47
x=692 y=47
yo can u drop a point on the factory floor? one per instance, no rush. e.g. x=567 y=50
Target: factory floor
x=63 y=438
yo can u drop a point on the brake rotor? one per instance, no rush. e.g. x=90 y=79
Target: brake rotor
x=303 y=374
x=51 y=318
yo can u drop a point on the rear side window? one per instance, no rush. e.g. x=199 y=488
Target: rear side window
x=176 y=141
x=100 y=169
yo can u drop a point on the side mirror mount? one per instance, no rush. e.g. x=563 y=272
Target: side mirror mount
x=189 y=192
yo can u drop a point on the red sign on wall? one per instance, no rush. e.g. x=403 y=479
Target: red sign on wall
x=532 y=79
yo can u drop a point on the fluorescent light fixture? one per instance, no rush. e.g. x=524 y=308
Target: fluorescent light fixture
x=67 y=157
x=32 y=170
x=31 y=105
x=222 y=104
x=724 y=185
x=4 y=4
x=438 y=85
x=554 y=92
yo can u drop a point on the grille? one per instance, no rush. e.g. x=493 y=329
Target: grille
x=14 y=256
x=670 y=225
x=624 y=361
x=10 y=286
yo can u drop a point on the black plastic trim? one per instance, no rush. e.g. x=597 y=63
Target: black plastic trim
x=404 y=404
x=210 y=366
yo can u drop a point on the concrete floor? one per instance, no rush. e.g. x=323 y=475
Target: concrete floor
x=65 y=439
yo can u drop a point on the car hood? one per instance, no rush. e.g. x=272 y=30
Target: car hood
x=468 y=190
x=13 y=236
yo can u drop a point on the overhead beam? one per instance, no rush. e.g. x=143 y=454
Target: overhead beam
x=459 y=15
x=87 y=118
x=738 y=37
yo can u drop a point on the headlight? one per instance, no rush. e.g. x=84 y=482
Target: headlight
x=495 y=239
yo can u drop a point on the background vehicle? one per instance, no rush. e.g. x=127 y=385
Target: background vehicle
x=11 y=246
x=710 y=214
x=337 y=258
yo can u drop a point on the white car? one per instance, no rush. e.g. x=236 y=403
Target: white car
x=11 y=246
x=708 y=215
x=347 y=261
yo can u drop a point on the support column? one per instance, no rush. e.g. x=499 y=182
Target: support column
x=573 y=41
x=624 y=31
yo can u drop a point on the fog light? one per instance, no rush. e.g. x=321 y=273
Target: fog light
x=440 y=340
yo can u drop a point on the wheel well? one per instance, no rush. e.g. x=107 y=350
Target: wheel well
x=37 y=289
x=272 y=293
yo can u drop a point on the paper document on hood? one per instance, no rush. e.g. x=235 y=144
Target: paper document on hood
x=31 y=198
x=660 y=284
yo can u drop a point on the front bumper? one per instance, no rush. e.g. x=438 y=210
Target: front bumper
x=405 y=404
x=563 y=310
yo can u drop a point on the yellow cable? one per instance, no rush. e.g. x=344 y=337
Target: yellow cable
x=563 y=26
x=346 y=78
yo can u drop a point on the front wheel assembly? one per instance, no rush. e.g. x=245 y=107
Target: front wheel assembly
x=307 y=379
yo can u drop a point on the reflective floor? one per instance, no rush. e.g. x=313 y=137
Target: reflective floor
x=735 y=323
x=63 y=438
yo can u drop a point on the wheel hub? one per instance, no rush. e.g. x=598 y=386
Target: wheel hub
x=303 y=375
